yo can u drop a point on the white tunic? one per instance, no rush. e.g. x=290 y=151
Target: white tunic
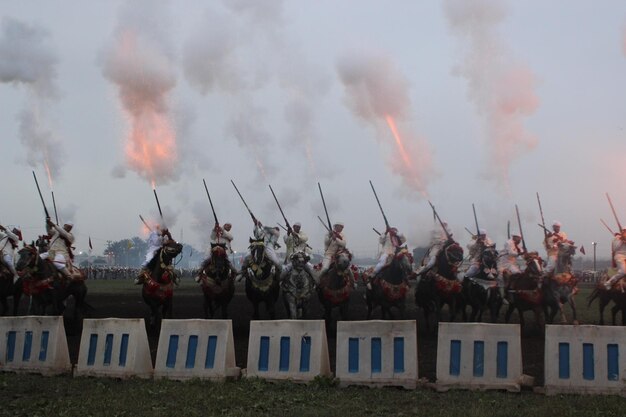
x=296 y=242
x=389 y=243
x=224 y=238
x=57 y=241
x=5 y=242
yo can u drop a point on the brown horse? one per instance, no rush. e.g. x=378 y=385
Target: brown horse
x=336 y=285
x=617 y=294
x=217 y=279
x=158 y=283
x=524 y=290
x=390 y=286
x=439 y=286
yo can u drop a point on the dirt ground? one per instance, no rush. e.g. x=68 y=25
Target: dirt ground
x=188 y=302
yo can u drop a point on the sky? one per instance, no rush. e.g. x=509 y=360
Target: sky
x=454 y=102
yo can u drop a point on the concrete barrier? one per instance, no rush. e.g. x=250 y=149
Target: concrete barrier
x=377 y=353
x=585 y=360
x=296 y=350
x=196 y=349
x=479 y=356
x=114 y=348
x=34 y=344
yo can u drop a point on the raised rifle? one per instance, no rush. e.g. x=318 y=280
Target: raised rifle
x=607 y=227
x=619 y=226
x=380 y=207
x=376 y=231
x=475 y=220
x=470 y=232
x=519 y=223
x=543 y=222
x=323 y=224
x=244 y=203
x=210 y=202
x=289 y=230
x=144 y=222
x=54 y=205
x=159 y=207
x=448 y=236
x=508 y=229
x=330 y=226
x=45 y=209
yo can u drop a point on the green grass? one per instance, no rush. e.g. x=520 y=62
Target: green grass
x=32 y=395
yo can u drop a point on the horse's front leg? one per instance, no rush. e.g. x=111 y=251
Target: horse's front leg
x=562 y=310
x=572 y=304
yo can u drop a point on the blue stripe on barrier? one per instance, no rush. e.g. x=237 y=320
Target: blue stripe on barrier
x=502 y=360
x=43 y=348
x=93 y=346
x=28 y=345
x=264 y=353
x=305 y=354
x=192 y=346
x=455 y=357
x=123 y=350
x=479 y=358
x=11 y=336
x=398 y=354
x=283 y=363
x=564 y=365
x=209 y=362
x=172 y=351
x=108 y=349
x=376 y=355
x=612 y=362
x=588 y=368
x=353 y=355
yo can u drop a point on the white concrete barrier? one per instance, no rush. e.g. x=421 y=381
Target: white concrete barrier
x=115 y=348
x=479 y=356
x=34 y=344
x=585 y=360
x=196 y=349
x=296 y=350
x=377 y=353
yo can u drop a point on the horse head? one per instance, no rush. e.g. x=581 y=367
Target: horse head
x=404 y=259
x=257 y=250
x=342 y=260
x=170 y=250
x=452 y=255
x=219 y=256
x=489 y=262
x=27 y=259
x=299 y=260
x=534 y=264
x=564 y=257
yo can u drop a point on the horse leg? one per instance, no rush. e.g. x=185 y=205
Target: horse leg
x=572 y=304
x=255 y=314
x=269 y=306
x=509 y=311
x=614 y=311
x=369 y=307
x=205 y=307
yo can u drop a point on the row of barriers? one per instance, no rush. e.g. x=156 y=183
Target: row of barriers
x=578 y=359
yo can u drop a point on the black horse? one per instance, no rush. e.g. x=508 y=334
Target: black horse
x=8 y=288
x=617 y=294
x=262 y=279
x=481 y=292
x=439 y=286
x=389 y=287
x=524 y=290
x=336 y=285
x=158 y=283
x=217 y=279
x=49 y=288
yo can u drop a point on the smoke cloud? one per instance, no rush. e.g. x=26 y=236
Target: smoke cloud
x=501 y=89
x=139 y=63
x=27 y=59
x=377 y=93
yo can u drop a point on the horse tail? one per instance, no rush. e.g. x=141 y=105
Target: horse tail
x=594 y=294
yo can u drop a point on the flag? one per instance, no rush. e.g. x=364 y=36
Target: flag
x=582 y=250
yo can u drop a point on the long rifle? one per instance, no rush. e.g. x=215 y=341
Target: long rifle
x=607 y=227
x=210 y=202
x=45 y=209
x=281 y=211
x=159 y=206
x=323 y=224
x=440 y=222
x=470 y=232
x=380 y=206
x=54 y=205
x=244 y=203
x=475 y=220
x=519 y=223
x=619 y=226
x=330 y=226
x=376 y=231
x=543 y=222
x=145 y=223
x=508 y=229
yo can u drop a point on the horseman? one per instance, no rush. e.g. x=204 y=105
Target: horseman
x=60 y=252
x=9 y=239
x=618 y=249
x=551 y=243
x=476 y=248
x=438 y=239
x=334 y=243
x=391 y=241
x=507 y=260
x=221 y=236
x=270 y=236
x=295 y=241
x=156 y=239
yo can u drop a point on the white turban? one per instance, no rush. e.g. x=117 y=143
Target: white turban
x=482 y=232
x=556 y=223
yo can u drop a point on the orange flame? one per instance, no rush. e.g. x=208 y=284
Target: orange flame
x=399 y=143
x=45 y=164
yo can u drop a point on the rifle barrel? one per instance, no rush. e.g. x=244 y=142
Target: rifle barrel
x=439 y=219
x=158 y=204
x=614 y=213
x=54 y=205
x=543 y=222
x=210 y=201
x=475 y=219
x=280 y=208
x=519 y=223
x=45 y=209
x=324 y=224
x=607 y=226
x=330 y=226
x=379 y=205
x=244 y=201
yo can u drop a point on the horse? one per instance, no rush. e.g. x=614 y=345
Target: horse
x=439 y=286
x=524 y=291
x=297 y=285
x=8 y=288
x=217 y=279
x=560 y=287
x=481 y=292
x=617 y=294
x=262 y=279
x=158 y=282
x=336 y=284
x=47 y=286
x=389 y=287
